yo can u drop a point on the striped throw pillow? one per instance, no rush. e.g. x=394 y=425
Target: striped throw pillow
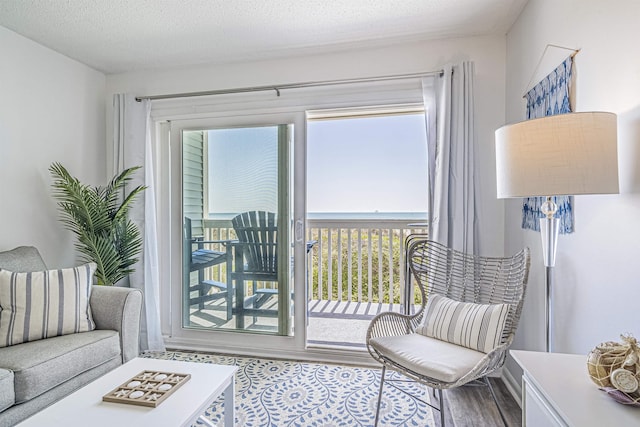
x=45 y=304
x=475 y=326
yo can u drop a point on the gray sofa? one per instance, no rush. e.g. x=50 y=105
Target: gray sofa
x=35 y=374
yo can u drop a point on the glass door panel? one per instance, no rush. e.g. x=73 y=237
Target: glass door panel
x=235 y=226
x=366 y=192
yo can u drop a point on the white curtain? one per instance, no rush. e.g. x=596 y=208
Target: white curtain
x=132 y=147
x=453 y=192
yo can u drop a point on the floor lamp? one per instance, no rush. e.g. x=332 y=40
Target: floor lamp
x=565 y=154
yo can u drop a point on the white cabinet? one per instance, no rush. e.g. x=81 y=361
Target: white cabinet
x=557 y=391
x=538 y=411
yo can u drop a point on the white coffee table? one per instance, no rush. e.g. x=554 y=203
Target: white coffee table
x=85 y=407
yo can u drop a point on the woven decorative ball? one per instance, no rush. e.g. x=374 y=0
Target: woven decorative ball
x=615 y=368
x=604 y=359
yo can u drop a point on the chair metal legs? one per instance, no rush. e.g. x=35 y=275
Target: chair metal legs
x=440 y=407
x=493 y=394
x=485 y=380
x=384 y=370
x=441 y=400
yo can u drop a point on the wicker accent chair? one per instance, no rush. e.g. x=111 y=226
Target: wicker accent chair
x=426 y=347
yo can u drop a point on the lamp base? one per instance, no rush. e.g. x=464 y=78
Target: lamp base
x=548 y=308
x=549 y=229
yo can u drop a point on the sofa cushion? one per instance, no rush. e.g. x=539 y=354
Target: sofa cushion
x=475 y=326
x=7 y=396
x=21 y=259
x=42 y=304
x=39 y=366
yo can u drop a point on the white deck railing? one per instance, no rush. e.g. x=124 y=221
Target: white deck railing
x=353 y=260
x=358 y=260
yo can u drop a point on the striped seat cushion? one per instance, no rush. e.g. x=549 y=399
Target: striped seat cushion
x=43 y=304
x=475 y=326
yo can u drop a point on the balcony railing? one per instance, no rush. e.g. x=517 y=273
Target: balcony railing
x=358 y=260
x=353 y=260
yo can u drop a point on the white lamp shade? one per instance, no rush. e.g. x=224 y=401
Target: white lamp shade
x=565 y=154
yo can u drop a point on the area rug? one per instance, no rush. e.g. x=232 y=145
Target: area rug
x=277 y=393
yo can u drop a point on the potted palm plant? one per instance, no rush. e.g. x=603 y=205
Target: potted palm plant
x=98 y=216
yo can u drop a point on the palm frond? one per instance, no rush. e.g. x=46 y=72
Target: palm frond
x=131 y=246
x=98 y=218
x=123 y=210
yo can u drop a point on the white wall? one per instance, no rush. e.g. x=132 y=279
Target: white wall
x=596 y=289
x=51 y=109
x=488 y=53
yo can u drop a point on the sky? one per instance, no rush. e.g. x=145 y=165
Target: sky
x=243 y=169
x=356 y=165
x=374 y=164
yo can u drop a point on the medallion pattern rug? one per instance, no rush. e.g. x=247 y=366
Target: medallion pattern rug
x=279 y=393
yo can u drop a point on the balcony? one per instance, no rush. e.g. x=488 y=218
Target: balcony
x=355 y=270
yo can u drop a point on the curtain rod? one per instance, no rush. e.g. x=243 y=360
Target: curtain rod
x=278 y=88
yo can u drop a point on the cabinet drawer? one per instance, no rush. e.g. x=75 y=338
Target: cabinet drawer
x=536 y=410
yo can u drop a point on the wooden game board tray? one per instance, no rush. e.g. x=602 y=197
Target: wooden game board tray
x=148 y=388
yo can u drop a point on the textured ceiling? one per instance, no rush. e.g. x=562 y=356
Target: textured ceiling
x=122 y=35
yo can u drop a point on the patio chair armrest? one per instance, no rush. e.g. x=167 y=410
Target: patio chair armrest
x=223 y=241
x=488 y=364
x=392 y=324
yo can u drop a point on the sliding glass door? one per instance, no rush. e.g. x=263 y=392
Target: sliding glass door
x=238 y=247
x=236 y=210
